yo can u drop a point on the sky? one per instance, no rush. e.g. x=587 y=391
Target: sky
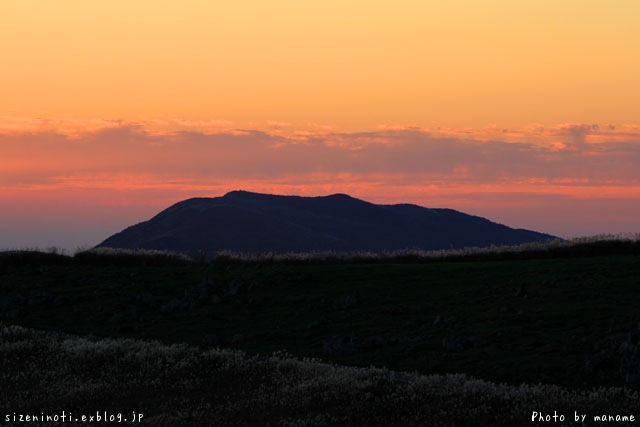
x=522 y=112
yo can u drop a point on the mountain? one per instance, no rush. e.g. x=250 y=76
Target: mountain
x=253 y=222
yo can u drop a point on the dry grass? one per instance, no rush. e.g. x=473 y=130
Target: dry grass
x=178 y=385
x=579 y=246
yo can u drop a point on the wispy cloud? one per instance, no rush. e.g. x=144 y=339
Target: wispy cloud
x=569 y=155
x=94 y=178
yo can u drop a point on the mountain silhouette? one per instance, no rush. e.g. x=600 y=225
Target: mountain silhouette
x=253 y=222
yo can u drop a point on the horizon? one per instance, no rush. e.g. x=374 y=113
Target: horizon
x=69 y=250
x=522 y=113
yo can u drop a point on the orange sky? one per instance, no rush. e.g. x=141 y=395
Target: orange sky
x=525 y=111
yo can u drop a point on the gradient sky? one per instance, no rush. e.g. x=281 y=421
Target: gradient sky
x=525 y=112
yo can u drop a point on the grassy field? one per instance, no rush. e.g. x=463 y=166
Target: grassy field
x=569 y=319
x=45 y=373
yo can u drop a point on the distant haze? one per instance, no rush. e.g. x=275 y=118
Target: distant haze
x=72 y=226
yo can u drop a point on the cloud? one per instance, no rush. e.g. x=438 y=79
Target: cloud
x=563 y=153
x=576 y=135
x=568 y=179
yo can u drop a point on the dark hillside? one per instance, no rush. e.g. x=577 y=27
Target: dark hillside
x=571 y=321
x=252 y=222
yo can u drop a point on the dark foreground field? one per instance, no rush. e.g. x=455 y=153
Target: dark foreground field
x=45 y=373
x=569 y=319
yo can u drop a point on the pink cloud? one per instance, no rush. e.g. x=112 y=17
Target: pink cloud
x=140 y=167
x=562 y=152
